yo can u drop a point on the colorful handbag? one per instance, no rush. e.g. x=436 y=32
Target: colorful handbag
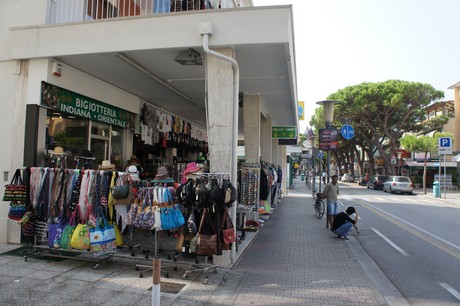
x=17 y=210
x=67 y=233
x=80 y=238
x=102 y=240
x=16 y=190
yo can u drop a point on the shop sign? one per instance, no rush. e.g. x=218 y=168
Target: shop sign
x=286 y=132
x=72 y=103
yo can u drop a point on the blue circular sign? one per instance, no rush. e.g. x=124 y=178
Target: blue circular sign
x=347 y=131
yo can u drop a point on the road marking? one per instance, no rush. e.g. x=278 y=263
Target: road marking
x=452 y=291
x=403 y=253
x=436 y=241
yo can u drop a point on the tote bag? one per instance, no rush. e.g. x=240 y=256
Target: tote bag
x=102 y=239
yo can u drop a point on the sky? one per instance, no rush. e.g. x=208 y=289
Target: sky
x=340 y=43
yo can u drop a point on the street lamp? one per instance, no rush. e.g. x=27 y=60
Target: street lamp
x=328 y=117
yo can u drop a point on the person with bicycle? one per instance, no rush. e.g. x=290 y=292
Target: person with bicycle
x=331 y=192
x=343 y=223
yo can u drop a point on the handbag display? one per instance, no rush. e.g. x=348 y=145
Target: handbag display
x=16 y=190
x=206 y=244
x=120 y=192
x=17 y=210
x=228 y=230
x=102 y=240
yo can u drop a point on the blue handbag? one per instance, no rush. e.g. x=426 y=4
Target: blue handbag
x=102 y=240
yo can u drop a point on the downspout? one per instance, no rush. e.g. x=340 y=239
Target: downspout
x=205 y=31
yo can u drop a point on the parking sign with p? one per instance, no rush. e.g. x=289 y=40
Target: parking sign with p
x=445 y=145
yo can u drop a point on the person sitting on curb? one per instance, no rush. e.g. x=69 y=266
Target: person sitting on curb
x=342 y=223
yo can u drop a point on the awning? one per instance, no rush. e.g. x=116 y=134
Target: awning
x=456 y=158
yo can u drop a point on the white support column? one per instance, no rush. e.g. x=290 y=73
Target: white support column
x=251 y=117
x=220 y=107
x=266 y=139
x=275 y=155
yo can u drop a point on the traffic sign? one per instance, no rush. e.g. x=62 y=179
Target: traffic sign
x=347 y=131
x=320 y=155
x=445 y=145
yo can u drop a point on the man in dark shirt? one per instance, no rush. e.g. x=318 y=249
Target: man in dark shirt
x=343 y=223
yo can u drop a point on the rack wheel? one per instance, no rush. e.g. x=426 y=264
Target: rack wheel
x=225 y=278
x=109 y=259
x=141 y=275
x=175 y=268
x=167 y=275
x=169 y=256
x=147 y=256
x=136 y=268
x=185 y=276
x=205 y=281
x=132 y=253
x=96 y=266
x=196 y=260
x=25 y=258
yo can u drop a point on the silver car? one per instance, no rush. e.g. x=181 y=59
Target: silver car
x=401 y=184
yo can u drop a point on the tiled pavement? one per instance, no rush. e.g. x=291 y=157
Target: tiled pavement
x=292 y=260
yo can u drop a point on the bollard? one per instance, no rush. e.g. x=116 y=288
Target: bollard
x=156 y=282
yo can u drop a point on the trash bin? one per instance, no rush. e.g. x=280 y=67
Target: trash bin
x=436 y=189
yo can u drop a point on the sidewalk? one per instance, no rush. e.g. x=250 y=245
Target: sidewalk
x=291 y=260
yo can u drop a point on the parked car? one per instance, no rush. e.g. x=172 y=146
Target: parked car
x=401 y=184
x=362 y=181
x=347 y=177
x=376 y=182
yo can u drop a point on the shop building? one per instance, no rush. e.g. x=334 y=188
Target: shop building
x=110 y=78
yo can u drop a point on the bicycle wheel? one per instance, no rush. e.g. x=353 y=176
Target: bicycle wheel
x=319 y=209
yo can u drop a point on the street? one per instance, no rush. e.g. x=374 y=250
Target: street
x=413 y=239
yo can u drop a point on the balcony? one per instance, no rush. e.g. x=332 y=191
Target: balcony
x=67 y=11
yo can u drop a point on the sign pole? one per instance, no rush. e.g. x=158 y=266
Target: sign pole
x=445 y=174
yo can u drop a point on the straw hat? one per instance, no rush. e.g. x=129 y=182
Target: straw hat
x=58 y=150
x=106 y=165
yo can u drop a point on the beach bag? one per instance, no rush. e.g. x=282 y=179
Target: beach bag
x=67 y=232
x=55 y=234
x=102 y=239
x=80 y=238
x=16 y=190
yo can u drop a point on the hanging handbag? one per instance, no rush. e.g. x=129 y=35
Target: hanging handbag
x=102 y=240
x=206 y=244
x=228 y=230
x=17 y=210
x=16 y=190
x=80 y=237
x=146 y=218
x=55 y=234
x=67 y=233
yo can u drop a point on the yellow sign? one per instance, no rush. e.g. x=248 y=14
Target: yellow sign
x=301 y=108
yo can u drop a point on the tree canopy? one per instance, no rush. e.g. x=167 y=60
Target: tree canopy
x=383 y=112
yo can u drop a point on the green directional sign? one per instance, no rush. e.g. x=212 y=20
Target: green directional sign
x=284 y=132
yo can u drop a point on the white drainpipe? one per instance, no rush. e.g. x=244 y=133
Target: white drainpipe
x=205 y=31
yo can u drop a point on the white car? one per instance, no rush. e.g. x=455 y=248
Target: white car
x=401 y=184
x=347 y=177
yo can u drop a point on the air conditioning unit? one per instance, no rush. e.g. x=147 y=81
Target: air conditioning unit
x=56 y=69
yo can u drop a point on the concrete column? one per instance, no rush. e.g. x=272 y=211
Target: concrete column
x=282 y=162
x=251 y=117
x=219 y=83
x=275 y=146
x=266 y=138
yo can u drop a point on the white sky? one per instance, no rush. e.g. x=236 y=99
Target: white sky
x=339 y=43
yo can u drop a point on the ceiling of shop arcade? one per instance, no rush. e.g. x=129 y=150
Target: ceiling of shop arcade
x=264 y=71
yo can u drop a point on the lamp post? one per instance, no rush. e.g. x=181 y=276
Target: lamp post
x=312 y=139
x=328 y=117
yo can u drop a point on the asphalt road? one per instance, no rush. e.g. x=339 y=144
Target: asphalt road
x=413 y=239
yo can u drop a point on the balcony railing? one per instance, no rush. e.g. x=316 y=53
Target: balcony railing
x=66 y=11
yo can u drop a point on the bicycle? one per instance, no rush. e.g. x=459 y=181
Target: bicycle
x=319 y=205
